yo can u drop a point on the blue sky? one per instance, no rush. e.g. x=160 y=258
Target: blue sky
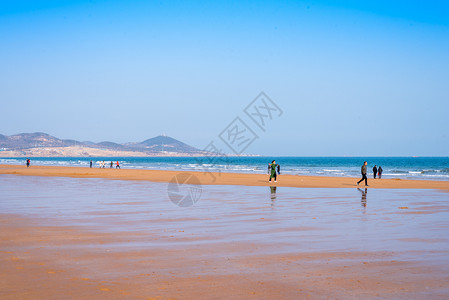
x=357 y=78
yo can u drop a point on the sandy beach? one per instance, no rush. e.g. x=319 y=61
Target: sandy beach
x=138 y=139
x=72 y=233
x=208 y=178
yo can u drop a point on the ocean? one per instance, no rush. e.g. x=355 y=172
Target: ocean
x=430 y=168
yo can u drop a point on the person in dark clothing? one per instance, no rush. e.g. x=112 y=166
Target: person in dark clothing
x=90 y=164
x=28 y=162
x=364 y=174
x=111 y=164
x=380 y=172
x=272 y=170
x=375 y=171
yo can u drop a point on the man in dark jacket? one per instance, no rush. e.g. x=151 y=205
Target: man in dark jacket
x=375 y=171
x=364 y=174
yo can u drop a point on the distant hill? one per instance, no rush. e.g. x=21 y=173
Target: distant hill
x=163 y=143
x=157 y=145
x=107 y=145
x=32 y=140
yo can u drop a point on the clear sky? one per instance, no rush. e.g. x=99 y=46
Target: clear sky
x=358 y=78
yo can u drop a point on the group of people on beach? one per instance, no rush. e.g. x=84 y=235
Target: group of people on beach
x=274 y=169
x=376 y=171
x=102 y=164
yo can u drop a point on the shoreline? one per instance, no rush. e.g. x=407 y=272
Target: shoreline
x=216 y=178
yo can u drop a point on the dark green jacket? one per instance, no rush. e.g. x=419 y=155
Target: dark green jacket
x=363 y=170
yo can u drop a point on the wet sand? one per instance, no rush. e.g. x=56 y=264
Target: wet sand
x=100 y=239
x=208 y=178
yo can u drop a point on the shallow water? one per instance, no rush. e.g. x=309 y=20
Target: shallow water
x=284 y=220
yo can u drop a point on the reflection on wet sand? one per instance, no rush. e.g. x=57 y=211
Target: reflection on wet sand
x=273 y=194
x=364 y=192
x=105 y=239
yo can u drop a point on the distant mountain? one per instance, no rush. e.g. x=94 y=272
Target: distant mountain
x=32 y=140
x=107 y=145
x=157 y=145
x=162 y=144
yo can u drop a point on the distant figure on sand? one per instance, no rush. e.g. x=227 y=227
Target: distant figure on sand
x=380 y=172
x=28 y=162
x=103 y=164
x=375 y=171
x=272 y=170
x=90 y=164
x=364 y=174
x=111 y=164
x=117 y=165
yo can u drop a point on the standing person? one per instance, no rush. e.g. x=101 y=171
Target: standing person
x=117 y=165
x=28 y=162
x=111 y=164
x=90 y=164
x=375 y=171
x=272 y=170
x=364 y=174
x=103 y=164
x=380 y=172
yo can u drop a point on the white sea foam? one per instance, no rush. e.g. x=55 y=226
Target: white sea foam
x=436 y=175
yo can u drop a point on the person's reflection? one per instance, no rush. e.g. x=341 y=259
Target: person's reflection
x=364 y=192
x=273 y=194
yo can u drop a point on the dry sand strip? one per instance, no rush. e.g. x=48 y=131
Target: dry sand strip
x=207 y=178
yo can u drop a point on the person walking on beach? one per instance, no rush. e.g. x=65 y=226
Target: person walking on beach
x=364 y=174
x=380 y=172
x=90 y=164
x=272 y=170
x=103 y=164
x=375 y=171
x=111 y=164
x=28 y=162
x=117 y=165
